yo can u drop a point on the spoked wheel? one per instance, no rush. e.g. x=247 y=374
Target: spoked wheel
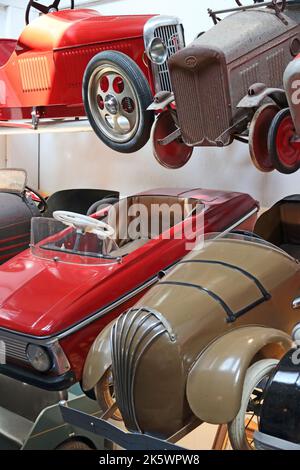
x=241 y=429
x=284 y=153
x=258 y=137
x=175 y=154
x=116 y=96
x=105 y=394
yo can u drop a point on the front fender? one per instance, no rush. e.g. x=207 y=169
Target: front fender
x=258 y=93
x=98 y=359
x=215 y=382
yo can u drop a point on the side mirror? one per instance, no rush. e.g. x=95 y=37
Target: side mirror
x=296 y=303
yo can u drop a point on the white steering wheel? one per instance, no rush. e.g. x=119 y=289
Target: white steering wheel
x=85 y=224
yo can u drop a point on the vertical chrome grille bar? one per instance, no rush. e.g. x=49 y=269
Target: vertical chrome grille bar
x=172 y=37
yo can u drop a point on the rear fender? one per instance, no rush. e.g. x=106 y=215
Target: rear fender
x=98 y=360
x=215 y=382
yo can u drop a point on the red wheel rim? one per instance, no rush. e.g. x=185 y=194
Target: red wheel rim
x=174 y=155
x=288 y=152
x=258 y=137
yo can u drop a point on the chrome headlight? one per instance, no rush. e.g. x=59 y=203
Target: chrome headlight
x=157 y=51
x=39 y=357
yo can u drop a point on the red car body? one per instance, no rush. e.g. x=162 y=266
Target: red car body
x=75 y=63
x=65 y=306
x=44 y=68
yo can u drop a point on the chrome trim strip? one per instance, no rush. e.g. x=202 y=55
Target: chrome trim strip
x=51 y=339
x=239 y=222
x=110 y=307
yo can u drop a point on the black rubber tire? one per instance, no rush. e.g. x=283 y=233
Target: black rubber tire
x=278 y=165
x=74 y=444
x=141 y=86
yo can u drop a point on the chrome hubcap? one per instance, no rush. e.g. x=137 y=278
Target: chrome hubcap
x=111 y=104
x=114 y=104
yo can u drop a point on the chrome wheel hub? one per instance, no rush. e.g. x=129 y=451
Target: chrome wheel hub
x=114 y=103
x=111 y=104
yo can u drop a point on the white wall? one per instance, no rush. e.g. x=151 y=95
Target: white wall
x=81 y=160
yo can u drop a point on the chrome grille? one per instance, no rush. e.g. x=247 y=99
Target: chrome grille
x=132 y=334
x=15 y=349
x=172 y=36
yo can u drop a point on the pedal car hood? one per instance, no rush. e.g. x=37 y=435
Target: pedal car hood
x=42 y=297
x=78 y=27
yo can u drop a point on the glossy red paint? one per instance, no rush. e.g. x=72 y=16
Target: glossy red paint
x=45 y=66
x=45 y=298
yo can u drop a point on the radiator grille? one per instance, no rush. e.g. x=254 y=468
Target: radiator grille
x=172 y=36
x=201 y=103
x=132 y=334
x=35 y=74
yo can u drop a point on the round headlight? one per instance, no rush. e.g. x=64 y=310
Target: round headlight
x=38 y=357
x=158 y=51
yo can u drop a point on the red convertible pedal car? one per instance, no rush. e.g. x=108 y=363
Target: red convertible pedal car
x=82 y=272
x=73 y=63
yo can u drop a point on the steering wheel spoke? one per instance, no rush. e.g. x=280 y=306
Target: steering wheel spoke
x=85 y=224
x=43 y=8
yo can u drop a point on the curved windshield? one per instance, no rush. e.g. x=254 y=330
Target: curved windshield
x=53 y=240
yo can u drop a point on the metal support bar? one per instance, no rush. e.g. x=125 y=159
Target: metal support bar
x=100 y=427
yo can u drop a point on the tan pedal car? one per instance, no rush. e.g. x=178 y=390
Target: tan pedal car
x=199 y=346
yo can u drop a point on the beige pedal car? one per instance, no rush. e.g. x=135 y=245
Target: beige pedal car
x=199 y=346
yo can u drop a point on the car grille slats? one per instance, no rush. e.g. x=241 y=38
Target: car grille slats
x=132 y=335
x=172 y=36
x=14 y=348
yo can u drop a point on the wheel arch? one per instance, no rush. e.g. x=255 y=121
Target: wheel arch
x=98 y=359
x=215 y=381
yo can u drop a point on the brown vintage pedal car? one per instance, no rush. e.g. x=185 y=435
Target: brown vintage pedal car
x=228 y=84
x=199 y=345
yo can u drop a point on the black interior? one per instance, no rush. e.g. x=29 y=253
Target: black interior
x=281 y=225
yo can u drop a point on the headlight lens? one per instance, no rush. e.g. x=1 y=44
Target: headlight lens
x=158 y=51
x=38 y=358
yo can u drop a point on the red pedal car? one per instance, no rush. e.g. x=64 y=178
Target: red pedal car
x=72 y=63
x=81 y=273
